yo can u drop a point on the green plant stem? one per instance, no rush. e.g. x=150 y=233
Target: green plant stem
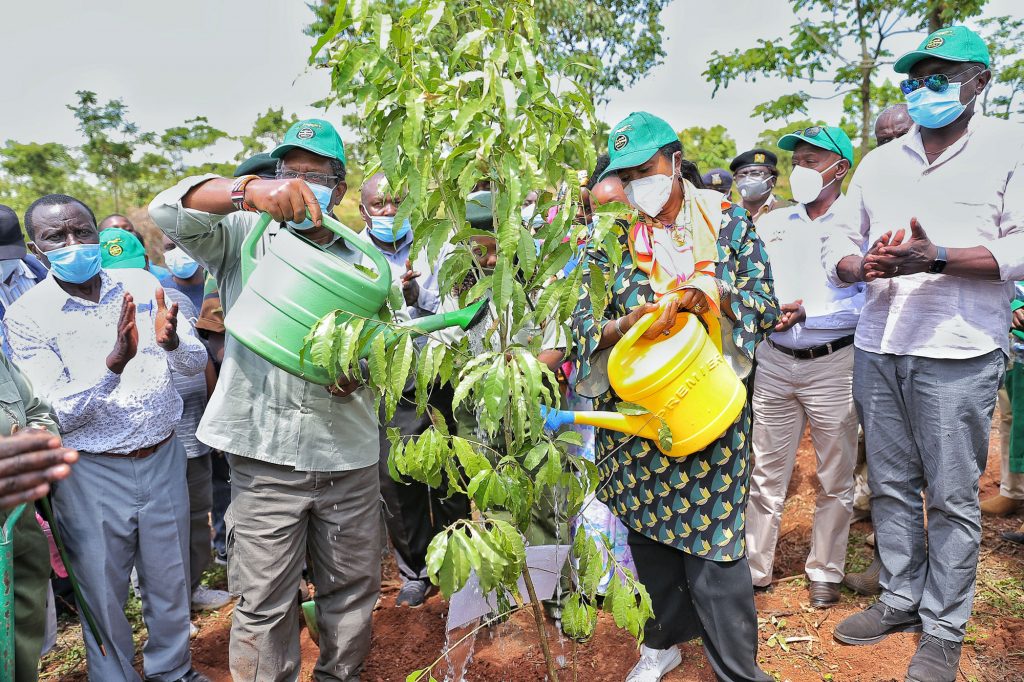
x=542 y=631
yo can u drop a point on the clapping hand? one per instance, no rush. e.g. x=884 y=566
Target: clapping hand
x=126 y=344
x=891 y=256
x=410 y=287
x=166 y=324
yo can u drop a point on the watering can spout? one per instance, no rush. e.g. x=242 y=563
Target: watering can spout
x=464 y=318
x=645 y=426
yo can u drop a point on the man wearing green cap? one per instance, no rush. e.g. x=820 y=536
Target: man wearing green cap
x=938 y=236
x=805 y=371
x=303 y=458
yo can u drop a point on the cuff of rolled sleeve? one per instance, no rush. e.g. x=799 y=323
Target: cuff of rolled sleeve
x=166 y=209
x=108 y=382
x=1008 y=253
x=181 y=358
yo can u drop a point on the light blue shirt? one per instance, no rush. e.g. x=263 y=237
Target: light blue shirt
x=794 y=242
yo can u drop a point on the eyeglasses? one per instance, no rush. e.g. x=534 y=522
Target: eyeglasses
x=758 y=173
x=937 y=82
x=814 y=131
x=315 y=178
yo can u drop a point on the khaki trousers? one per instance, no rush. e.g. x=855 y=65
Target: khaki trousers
x=1011 y=485
x=789 y=393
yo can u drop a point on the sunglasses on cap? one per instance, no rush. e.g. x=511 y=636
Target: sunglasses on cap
x=937 y=82
x=814 y=131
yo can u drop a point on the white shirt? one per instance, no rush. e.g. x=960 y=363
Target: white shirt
x=972 y=195
x=61 y=343
x=793 y=242
x=17 y=279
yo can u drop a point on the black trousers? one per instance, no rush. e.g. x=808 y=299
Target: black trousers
x=694 y=597
x=414 y=512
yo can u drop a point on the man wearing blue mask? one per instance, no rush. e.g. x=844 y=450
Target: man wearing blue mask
x=100 y=346
x=378 y=207
x=303 y=457
x=937 y=233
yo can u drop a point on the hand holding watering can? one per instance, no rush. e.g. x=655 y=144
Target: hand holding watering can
x=30 y=460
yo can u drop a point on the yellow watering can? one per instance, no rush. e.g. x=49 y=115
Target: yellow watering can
x=297 y=282
x=681 y=378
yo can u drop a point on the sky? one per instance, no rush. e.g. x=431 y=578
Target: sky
x=230 y=60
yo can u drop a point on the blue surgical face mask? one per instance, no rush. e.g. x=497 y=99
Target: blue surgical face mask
x=383 y=228
x=180 y=263
x=930 y=109
x=75 y=264
x=323 y=197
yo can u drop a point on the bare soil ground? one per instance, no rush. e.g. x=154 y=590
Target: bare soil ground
x=407 y=639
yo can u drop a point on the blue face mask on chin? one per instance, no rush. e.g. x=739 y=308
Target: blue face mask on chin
x=930 y=109
x=323 y=197
x=382 y=228
x=75 y=264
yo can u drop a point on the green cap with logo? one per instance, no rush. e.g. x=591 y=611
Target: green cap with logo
x=121 y=249
x=953 y=43
x=829 y=138
x=635 y=139
x=314 y=135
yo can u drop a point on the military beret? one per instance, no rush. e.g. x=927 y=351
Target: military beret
x=717 y=177
x=755 y=157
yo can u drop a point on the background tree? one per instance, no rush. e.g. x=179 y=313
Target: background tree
x=267 y=130
x=1005 y=38
x=708 y=147
x=443 y=109
x=603 y=46
x=110 y=141
x=29 y=170
x=837 y=49
x=194 y=135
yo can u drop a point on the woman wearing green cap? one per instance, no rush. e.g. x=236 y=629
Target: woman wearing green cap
x=685 y=515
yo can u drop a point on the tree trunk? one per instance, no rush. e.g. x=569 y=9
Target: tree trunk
x=935 y=8
x=867 y=64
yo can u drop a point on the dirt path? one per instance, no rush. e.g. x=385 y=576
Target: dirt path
x=407 y=639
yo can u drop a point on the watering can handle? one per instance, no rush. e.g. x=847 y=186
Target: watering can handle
x=248 y=253
x=645 y=322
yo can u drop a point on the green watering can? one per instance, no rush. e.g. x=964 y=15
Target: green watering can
x=7 y=593
x=297 y=282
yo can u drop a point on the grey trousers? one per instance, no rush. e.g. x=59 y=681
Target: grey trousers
x=926 y=425
x=200 y=501
x=117 y=513
x=278 y=516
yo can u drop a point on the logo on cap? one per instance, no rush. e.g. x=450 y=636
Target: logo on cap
x=114 y=249
x=716 y=179
x=934 y=43
x=625 y=129
x=305 y=133
x=620 y=142
x=759 y=158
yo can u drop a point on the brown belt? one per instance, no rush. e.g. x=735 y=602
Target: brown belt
x=141 y=453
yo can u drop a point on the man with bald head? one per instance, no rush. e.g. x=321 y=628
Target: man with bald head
x=893 y=122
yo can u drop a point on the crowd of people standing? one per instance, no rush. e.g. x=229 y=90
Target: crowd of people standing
x=880 y=318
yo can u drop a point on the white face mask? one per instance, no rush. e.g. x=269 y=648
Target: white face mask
x=650 y=194
x=807 y=183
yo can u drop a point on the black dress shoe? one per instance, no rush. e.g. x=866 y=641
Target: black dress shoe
x=875 y=623
x=824 y=595
x=1016 y=536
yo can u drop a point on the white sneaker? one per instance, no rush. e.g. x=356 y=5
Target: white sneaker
x=654 y=663
x=205 y=599
x=193 y=631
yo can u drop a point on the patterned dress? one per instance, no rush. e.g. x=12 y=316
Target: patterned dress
x=695 y=503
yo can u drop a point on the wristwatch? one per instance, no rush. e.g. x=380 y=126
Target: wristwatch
x=939 y=264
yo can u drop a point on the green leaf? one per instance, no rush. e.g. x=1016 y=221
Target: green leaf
x=570 y=437
x=664 y=436
x=378 y=362
x=471 y=461
x=631 y=409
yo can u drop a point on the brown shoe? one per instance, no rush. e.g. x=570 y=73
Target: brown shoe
x=866 y=583
x=997 y=505
x=824 y=595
